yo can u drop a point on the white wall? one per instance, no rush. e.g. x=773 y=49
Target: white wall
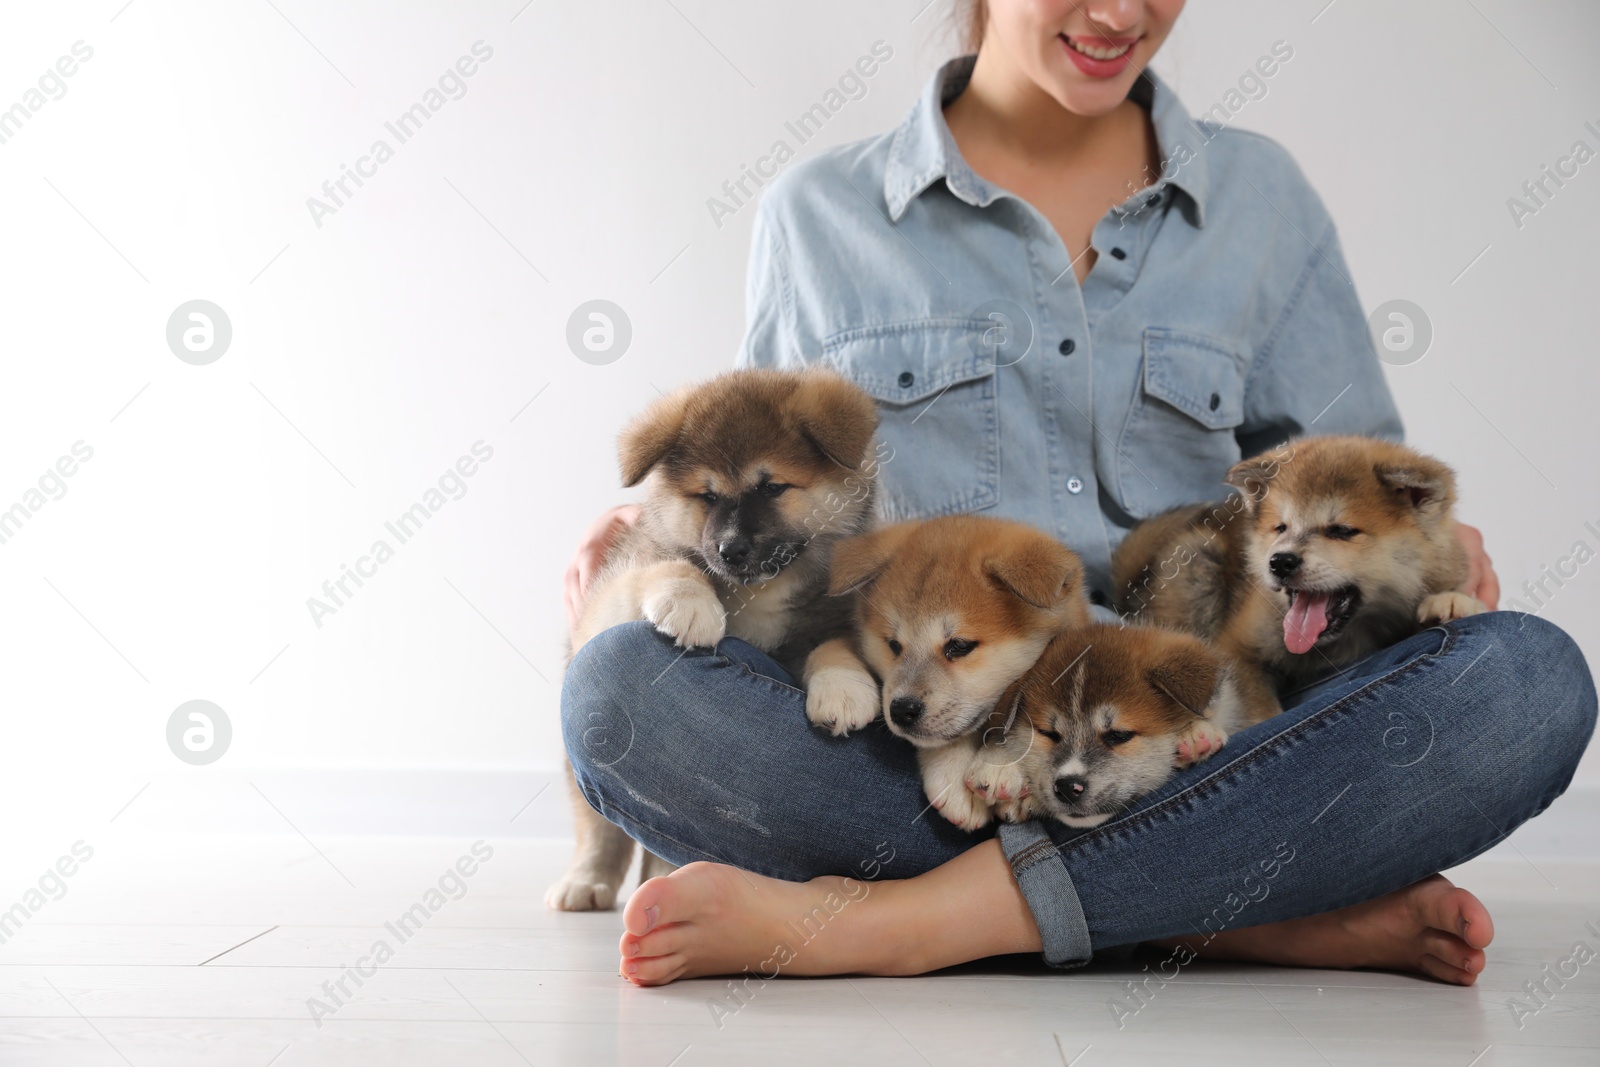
x=371 y=352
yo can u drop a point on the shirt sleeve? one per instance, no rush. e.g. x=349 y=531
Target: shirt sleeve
x=769 y=336
x=1318 y=372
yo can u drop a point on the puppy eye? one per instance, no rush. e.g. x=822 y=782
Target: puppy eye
x=774 y=488
x=1054 y=737
x=708 y=497
x=895 y=647
x=956 y=647
x=1280 y=528
x=1113 y=738
x=1341 y=533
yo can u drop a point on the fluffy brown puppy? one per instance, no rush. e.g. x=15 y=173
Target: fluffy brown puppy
x=949 y=612
x=1334 y=548
x=1104 y=717
x=749 y=481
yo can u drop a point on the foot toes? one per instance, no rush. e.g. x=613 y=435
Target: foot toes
x=653 y=970
x=662 y=941
x=1452 y=951
x=1456 y=911
x=645 y=908
x=1446 y=972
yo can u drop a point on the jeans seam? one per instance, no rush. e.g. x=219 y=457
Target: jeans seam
x=1037 y=852
x=1267 y=747
x=780 y=685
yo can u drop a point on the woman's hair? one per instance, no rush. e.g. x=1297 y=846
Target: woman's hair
x=968 y=18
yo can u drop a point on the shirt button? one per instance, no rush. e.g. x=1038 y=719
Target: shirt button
x=906 y=378
x=1067 y=347
x=1117 y=253
x=1216 y=401
x=1074 y=486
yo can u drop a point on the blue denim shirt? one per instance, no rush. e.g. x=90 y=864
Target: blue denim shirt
x=1219 y=319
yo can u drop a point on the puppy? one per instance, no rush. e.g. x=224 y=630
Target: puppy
x=949 y=612
x=1101 y=719
x=1333 y=548
x=749 y=481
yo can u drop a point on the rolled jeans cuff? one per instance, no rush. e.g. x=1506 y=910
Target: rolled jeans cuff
x=1042 y=877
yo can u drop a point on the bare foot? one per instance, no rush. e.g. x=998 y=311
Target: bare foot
x=710 y=919
x=1431 y=927
x=707 y=918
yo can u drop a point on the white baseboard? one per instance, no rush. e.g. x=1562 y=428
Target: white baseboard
x=533 y=803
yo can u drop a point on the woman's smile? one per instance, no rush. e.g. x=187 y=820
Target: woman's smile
x=1099 y=57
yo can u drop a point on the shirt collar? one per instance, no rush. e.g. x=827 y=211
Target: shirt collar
x=923 y=151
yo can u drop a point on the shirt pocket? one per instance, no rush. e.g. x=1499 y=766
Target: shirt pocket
x=1178 y=440
x=938 y=421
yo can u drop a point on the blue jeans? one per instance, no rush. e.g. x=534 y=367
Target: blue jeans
x=1416 y=759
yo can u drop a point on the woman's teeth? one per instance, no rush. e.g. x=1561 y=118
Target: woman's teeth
x=1097 y=53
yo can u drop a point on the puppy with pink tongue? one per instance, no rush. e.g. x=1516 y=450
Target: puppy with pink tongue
x=1332 y=548
x=1305 y=621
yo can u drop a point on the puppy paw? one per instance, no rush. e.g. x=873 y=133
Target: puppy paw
x=996 y=782
x=687 y=611
x=841 y=699
x=578 y=894
x=1021 y=809
x=1443 y=607
x=1200 y=740
x=961 y=806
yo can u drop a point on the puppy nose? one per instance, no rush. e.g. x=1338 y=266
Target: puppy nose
x=735 y=550
x=1283 y=564
x=905 y=711
x=1070 y=787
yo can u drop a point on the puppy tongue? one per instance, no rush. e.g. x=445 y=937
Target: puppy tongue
x=1307 y=618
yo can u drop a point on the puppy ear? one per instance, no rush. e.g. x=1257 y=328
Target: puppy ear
x=839 y=419
x=648 y=438
x=1421 y=481
x=1039 y=572
x=1252 y=476
x=859 y=560
x=1187 y=675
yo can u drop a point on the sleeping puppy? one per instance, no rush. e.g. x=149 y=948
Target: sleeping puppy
x=1333 y=548
x=1104 y=717
x=749 y=479
x=949 y=612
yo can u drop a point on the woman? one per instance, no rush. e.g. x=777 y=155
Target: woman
x=1206 y=315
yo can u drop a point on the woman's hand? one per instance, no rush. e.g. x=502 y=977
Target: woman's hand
x=591 y=556
x=1482 y=582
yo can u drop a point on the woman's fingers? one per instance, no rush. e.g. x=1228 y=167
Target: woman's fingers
x=591 y=556
x=1482 y=582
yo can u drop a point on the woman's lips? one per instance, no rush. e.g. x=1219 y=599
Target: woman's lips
x=1100 y=57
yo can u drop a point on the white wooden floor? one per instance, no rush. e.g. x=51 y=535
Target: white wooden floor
x=137 y=964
